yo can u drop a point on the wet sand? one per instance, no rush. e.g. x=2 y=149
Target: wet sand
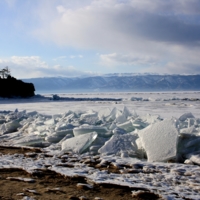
x=49 y=185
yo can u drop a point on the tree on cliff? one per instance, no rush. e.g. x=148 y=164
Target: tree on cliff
x=5 y=72
x=11 y=87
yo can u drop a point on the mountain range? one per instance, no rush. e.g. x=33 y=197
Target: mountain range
x=118 y=82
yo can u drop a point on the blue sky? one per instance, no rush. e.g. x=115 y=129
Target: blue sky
x=43 y=38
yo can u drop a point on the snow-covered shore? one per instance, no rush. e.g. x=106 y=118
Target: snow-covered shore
x=153 y=143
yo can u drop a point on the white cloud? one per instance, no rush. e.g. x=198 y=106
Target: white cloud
x=111 y=24
x=76 y=56
x=69 y=71
x=33 y=66
x=140 y=32
x=88 y=27
x=11 y=3
x=29 y=61
x=61 y=9
x=179 y=61
x=60 y=58
x=126 y=59
x=66 y=57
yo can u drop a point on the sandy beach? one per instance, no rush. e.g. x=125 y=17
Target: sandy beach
x=47 y=184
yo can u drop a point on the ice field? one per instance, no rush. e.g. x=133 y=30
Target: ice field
x=153 y=139
x=165 y=104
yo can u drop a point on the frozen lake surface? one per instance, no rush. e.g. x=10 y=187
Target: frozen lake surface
x=151 y=138
x=165 y=104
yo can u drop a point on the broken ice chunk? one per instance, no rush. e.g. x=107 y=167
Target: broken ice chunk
x=112 y=126
x=50 y=122
x=104 y=113
x=120 y=143
x=99 y=141
x=95 y=148
x=189 y=130
x=186 y=116
x=41 y=128
x=140 y=150
x=78 y=144
x=63 y=126
x=2 y=129
x=25 y=126
x=160 y=140
x=127 y=126
x=119 y=131
x=63 y=133
x=2 y=121
x=194 y=157
x=150 y=119
x=88 y=114
x=102 y=131
x=127 y=113
x=53 y=138
x=188 y=145
x=12 y=126
x=70 y=117
x=113 y=114
x=90 y=118
x=192 y=122
x=32 y=113
x=120 y=118
x=139 y=124
x=193 y=142
x=30 y=140
x=58 y=135
x=9 y=137
x=56 y=116
x=136 y=99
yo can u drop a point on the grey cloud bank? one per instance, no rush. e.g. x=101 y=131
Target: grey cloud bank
x=161 y=29
x=159 y=20
x=138 y=36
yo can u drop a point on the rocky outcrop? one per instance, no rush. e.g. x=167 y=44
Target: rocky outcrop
x=11 y=87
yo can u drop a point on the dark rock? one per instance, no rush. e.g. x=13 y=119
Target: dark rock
x=11 y=87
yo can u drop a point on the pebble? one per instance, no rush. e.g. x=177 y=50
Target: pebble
x=83 y=198
x=53 y=189
x=31 y=191
x=28 y=180
x=20 y=194
x=84 y=186
x=73 y=198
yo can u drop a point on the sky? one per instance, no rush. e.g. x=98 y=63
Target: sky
x=48 y=38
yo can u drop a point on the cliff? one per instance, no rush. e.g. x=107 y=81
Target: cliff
x=11 y=87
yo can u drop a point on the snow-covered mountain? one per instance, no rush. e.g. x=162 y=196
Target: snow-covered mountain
x=118 y=82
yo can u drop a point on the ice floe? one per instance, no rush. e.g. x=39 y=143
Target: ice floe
x=121 y=145
x=114 y=131
x=160 y=140
x=78 y=144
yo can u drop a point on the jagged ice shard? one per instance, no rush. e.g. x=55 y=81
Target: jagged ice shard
x=78 y=144
x=107 y=131
x=160 y=140
x=120 y=144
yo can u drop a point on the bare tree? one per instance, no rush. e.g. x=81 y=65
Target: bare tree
x=5 y=72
